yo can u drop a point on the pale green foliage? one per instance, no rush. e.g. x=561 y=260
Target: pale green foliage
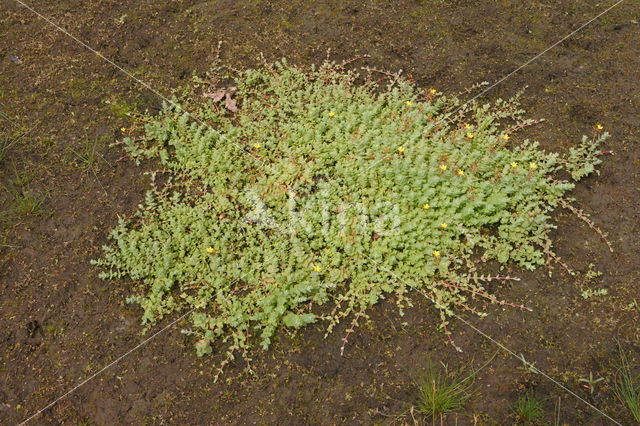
x=582 y=159
x=589 y=293
x=305 y=198
x=588 y=280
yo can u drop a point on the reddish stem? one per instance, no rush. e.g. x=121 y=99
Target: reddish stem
x=486 y=296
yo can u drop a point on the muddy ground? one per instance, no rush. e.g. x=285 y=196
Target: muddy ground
x=62 y=188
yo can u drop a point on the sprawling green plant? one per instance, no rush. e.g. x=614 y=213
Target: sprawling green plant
x=321 y=187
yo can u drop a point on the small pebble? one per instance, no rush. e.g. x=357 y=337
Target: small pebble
x=15 y=59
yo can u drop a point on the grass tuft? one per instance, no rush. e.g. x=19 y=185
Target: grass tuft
x=528 y=409
x=627 y=385
x=27 y=204
x=3 y=149
x=442 y=391
x=88 y=156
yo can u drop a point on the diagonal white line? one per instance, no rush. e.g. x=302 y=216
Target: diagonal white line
x=111 y=364
x=571 y=34
x=148 y=87
x=137 y=80
x=537 y=370
x=503 y=347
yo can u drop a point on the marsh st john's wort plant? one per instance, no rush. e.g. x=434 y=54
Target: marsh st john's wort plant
x=315 y=189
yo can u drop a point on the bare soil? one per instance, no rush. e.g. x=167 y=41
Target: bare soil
x=60 y=324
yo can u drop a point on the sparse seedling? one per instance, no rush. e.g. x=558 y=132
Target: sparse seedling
x=527 y=366
x=528 y=409
x=633 y=306
x=590 y=382
x=591 y=293
x=121 y=20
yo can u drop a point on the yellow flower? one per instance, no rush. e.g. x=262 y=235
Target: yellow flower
x=256 y=145
x=460 y=172
x=409 y=103
x=506 y=137
x=599 y=126
x=436 y=253
x=433 y=91
x=400 y=149
x=533 y=166
x=316 y=268
x=123 y=129
x=210 y=250
x=331 y=113
x=426 y=206
x=443 y=167
x=444 y=225
x=467 y=126
x=514 y=164
x=470 y=135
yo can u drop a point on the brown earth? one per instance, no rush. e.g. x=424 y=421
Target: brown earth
x=59 y=323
